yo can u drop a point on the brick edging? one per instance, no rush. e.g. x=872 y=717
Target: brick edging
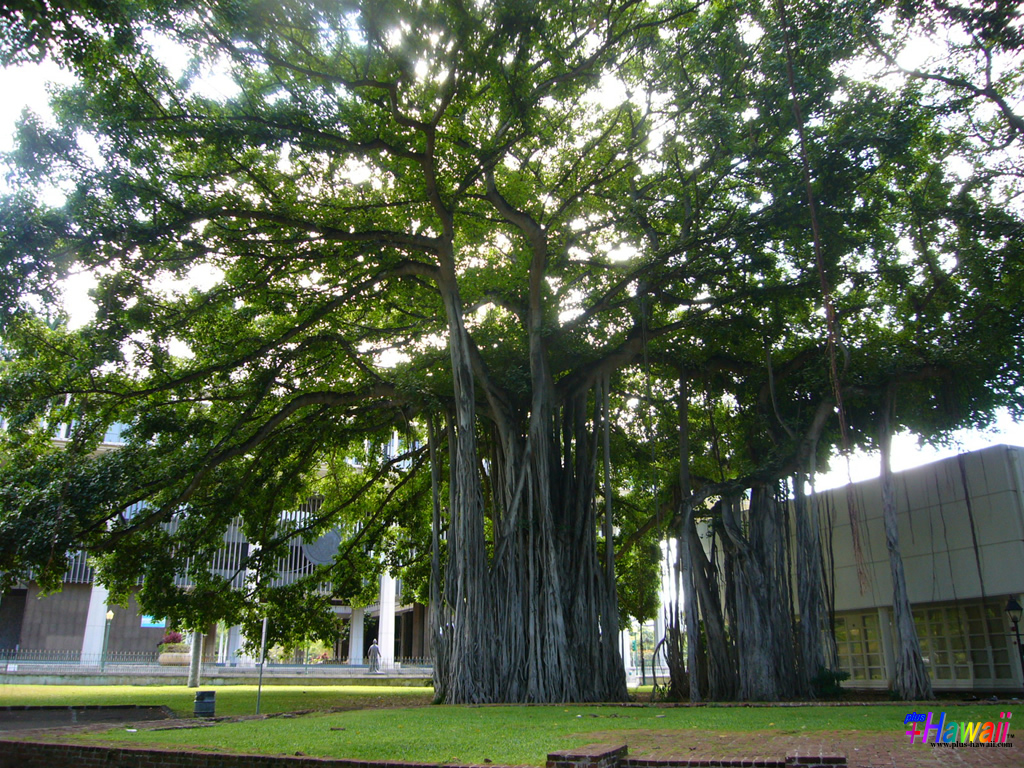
x=604 y=756
x=163 y=708
x=36 y=754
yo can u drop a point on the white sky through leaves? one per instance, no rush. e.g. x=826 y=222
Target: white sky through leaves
x=27 y=87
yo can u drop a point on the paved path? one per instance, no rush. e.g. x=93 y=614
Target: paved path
x=862 y=750
x=31 y=718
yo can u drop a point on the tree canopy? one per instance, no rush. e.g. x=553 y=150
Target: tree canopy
x=511 y=229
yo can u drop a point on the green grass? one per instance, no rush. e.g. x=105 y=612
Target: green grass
x=509 y=735
x=232 y=700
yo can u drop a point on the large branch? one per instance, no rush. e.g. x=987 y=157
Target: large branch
x=627 y=351
x=1013 y=120
x=385 y=237
x=529 y=226
x=403 y=268
x=380 y=391
x=389 y=87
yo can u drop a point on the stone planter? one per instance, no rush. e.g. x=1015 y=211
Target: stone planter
x=174 y=659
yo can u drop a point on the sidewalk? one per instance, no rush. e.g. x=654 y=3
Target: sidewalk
x=862 y=750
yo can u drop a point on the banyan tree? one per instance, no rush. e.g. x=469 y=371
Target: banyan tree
x=575 y=254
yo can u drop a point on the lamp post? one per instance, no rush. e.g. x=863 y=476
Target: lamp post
x=106 y=639
x=1013 y=610
x=263 y=658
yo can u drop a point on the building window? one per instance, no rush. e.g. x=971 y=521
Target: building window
x=860 y=646
x=965 y=643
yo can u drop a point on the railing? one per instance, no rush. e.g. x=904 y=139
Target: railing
x=404 y=666
x=22 y=656
x=121 y=662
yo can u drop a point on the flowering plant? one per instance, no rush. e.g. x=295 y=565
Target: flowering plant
x=172 y=642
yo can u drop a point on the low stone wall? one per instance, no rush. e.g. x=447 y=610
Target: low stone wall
x=591 y=756
x=30 y=754
x=603 y=756
x=26 y=754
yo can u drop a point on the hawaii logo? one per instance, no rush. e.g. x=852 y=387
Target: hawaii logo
x=953 y=734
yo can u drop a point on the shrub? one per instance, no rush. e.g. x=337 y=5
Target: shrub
x=826 y=684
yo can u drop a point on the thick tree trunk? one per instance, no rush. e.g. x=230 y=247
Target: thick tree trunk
x=613 y=671
x=912 y=681
x=434 y=613
x=467 y=630
x=537 y=621
x=684 y=548
x=747 y=605
x=195 y=661
x=810 y=587
x=759 y=598
x=722 y=680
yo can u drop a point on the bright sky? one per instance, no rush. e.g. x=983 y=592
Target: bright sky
x=906 y=453
x=26 y=86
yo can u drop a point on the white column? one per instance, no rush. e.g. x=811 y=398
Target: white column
x=95 y=625
x=232 y=647
x=386 y=623
x=355 y=636
x=222 y=644
x=626 y=649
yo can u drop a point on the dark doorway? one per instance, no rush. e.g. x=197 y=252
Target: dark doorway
x=12 y=613
x=370 y=634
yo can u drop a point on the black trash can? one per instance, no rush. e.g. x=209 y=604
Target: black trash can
x=205 y=703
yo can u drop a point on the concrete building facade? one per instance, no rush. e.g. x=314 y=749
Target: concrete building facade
x=961 y=529
x=72 y=624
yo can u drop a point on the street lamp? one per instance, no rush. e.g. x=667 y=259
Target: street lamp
x=106 y=639
x=263 y=658
x=1013 y=610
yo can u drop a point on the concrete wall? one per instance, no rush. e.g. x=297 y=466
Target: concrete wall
x=55 y=622
x=944 y=509
x=128 y=634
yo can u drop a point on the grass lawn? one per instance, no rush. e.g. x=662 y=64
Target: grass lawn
x=507 y=735
x=232 y=700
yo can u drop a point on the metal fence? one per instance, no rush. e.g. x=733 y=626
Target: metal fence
x=59 y=662
x=409 y=666
x=22 y=656
x=147 y=663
